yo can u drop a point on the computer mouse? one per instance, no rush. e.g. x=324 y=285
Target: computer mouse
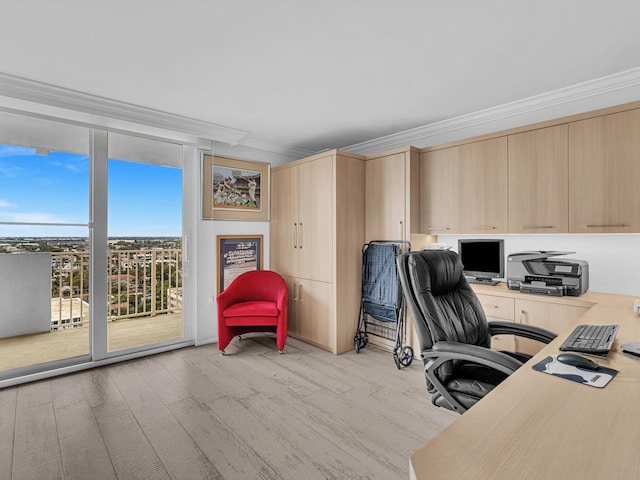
x=578 y=361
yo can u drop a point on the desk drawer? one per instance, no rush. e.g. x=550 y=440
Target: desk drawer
x=497 y=307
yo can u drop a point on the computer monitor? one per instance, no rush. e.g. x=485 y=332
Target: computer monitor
x=482 y=259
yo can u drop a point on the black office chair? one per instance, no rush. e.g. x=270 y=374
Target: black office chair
x=453 y=332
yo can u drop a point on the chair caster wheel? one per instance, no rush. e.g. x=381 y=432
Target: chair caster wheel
x=239 y=337
x=222 y=352
x=281 y=351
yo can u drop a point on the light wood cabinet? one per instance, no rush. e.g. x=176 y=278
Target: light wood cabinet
x=604 y=174
x=557 y=318
x=579 y=174
x=316 y=237
x=439 y=192
x=310 y=311
x=499 y=309
x=284 y=221
x=483 y=186
x=391 y=195
x=315 y=231
x=538 y=183
x=463 y=189
x=302 y=219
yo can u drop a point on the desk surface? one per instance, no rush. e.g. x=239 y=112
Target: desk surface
x=537 y=426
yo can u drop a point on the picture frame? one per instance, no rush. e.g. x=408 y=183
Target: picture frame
x=237 y=254
x=235 y=189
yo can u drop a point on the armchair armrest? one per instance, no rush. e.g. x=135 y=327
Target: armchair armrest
x=521 y=330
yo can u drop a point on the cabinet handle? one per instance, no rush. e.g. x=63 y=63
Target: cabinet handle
x=608 y=225
x=484 y=227
x=400 y=231
x=295 y=235
x=523 y=313
x=438 y=228
x=532 y=227
x=301 y=235
x=300 y=293
x=295 y=298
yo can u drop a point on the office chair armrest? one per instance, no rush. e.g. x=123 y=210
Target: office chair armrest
x=521 y=330
x=444 y=351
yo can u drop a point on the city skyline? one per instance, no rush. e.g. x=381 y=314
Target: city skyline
x=144 y=200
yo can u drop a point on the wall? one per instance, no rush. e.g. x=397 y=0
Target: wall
x=25 y=292
x=614 y=260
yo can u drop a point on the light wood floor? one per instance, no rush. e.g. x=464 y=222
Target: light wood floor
x=195 y=414
x=38 y=348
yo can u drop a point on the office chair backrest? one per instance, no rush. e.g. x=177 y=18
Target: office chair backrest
x=441 y=302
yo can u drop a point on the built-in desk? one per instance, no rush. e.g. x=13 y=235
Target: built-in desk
x=537 y=426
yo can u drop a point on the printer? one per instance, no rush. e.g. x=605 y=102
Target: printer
x=536 y=272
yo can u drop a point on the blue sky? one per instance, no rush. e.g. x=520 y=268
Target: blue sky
x=144 y=200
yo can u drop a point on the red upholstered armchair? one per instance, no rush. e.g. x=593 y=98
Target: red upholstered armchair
x=255 y=301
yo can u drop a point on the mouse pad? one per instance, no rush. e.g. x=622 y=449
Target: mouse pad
x=594 y=378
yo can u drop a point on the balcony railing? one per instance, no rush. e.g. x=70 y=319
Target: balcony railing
x=142 y=283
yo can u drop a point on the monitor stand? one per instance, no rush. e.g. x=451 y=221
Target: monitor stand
x=483 y=280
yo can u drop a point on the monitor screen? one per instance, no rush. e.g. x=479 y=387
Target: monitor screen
x=482 y=259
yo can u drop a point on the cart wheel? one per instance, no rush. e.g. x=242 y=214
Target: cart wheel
x=360 y=341
x=406 y=356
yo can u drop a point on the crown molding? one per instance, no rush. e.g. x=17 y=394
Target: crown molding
x=96 y=106
x=420 y=136
x=294 y=152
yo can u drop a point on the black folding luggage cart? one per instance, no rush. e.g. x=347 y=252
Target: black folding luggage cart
x=382 y=307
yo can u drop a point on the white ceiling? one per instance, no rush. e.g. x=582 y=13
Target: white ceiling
x=316 y=74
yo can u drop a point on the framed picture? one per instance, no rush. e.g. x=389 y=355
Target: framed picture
x=234 y=189
x=237 y=254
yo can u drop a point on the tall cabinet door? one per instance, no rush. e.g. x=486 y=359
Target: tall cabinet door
x=483 y=186
x=385 y=198
x=315 y=225
x=538 y=181
x=316 y=316
x=439 y=192
x=603 y=174
x=284 y=221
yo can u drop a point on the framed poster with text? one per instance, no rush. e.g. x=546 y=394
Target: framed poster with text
x=237 y=254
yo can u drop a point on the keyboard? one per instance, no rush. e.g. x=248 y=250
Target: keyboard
x=591 y=339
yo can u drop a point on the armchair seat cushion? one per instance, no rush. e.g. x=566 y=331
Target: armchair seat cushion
x=252 y=309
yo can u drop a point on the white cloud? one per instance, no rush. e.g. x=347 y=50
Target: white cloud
x=5 y=204
x=14 y=151
x=32 y=217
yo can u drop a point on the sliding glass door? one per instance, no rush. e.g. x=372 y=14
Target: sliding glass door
x=44 y=247
x=145 y=288
x=91 y=255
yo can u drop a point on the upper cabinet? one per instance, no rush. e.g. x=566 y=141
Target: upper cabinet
x=439 y=193
x=604 y=174
x=463 y=189
x=578 y=174
x=392 y=201
x=483 y=186
x=538 y=181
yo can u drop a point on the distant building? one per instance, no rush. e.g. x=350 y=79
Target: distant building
x=69 y=313
x=174 y=299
